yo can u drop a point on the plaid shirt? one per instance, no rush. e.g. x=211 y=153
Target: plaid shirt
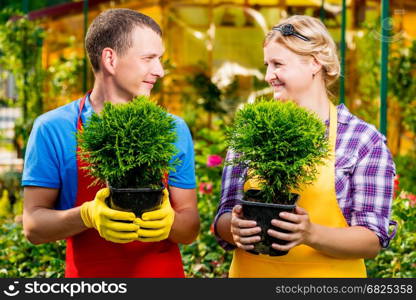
x=364 y=174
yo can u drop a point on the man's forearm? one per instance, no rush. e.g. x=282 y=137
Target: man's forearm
x=44 y=225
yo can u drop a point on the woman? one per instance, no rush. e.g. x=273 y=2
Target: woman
x=343 y=217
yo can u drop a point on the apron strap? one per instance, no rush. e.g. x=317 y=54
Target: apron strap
x=81 y=107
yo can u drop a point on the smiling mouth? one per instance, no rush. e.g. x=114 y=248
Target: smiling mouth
x=277 y=85
x=150 y=82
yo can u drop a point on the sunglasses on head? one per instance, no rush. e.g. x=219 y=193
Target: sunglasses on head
x=288 y=30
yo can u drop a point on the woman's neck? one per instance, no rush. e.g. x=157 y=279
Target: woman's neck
x=316 y=99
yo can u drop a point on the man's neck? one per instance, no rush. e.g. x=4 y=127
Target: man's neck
x=105 y=92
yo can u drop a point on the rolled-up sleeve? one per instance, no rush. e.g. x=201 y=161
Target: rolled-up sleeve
x=231 y=192
x=372 y=185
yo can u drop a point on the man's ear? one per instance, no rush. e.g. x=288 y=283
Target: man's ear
x=108 y=60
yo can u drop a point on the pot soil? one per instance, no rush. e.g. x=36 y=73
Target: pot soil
x=136 y=200
x=263 y=213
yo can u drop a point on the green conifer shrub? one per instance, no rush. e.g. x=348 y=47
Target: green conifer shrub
x=281 y=143
x=129 y=145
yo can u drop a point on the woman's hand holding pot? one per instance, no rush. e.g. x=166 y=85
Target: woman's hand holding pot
x=298 y=224
x=244 y=232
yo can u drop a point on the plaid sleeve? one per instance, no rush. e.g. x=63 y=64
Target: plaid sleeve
x=372 y=189
x=231 y=192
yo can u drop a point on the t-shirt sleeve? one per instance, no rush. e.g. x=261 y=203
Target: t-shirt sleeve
x=41 y=166
x=184 y=175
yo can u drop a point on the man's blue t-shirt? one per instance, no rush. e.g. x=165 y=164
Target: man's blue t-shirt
x=50 y=159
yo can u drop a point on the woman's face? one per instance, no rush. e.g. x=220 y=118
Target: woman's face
x=289 y=74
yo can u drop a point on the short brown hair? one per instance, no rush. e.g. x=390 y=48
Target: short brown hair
x=112 y=28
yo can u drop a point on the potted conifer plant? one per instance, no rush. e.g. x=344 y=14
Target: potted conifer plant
x=281 y=144
x=130 y=147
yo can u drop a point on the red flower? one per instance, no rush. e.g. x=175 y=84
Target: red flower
x=215 y=263
x=205 y=187
x=412 y=198
x=214 y=161
x=396 y=185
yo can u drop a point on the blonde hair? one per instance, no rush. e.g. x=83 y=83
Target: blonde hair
x=320 y=45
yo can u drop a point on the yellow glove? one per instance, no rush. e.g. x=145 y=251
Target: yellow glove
x=155 y=225
x=110 y=223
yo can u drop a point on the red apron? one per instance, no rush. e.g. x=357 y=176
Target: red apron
x=89 y=255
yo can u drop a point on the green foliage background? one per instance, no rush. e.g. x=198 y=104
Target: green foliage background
x=399 y=259
x=204 y=258
x=20 y=53
x=20 y=258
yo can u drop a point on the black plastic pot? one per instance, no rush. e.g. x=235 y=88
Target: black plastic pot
x=263 y=213
x=136 y=200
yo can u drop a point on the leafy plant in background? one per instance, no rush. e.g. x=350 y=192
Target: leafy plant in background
x=201 y=97
x=399 y=259
x=404 y=90
x=402 y=79
x=402 y=83
x=129 y=145
x=204 y=257
x=19 y=258
x=209 y=92
x=367 y=68
x=205 y=102
x=406 y=169
x=409 y=117
x=30 y=5
x=10 y=192
x=65 y=77
x=281 y=143
x=20 y=53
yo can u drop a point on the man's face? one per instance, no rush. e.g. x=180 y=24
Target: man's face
x=137 y=70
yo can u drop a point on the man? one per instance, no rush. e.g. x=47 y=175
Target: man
x=124 y=48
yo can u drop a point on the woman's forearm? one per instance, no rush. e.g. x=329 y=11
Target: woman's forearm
x=224 y=228
x=350 y=242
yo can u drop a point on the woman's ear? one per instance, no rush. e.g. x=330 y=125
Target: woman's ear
x=316 y=66
x=108 y=60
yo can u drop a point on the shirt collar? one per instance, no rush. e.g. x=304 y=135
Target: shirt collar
x=87 y=111
x=344 y=115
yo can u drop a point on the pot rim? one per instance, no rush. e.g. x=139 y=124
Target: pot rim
x=272 y=205
x=144 y=189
